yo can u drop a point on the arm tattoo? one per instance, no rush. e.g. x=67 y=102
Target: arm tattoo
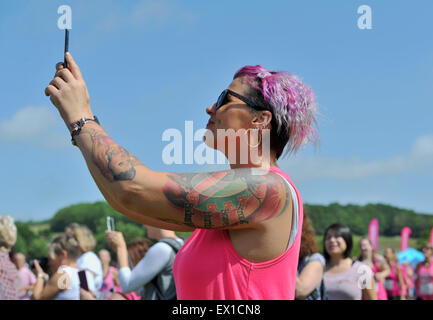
x=226 y=198
x=114 y=162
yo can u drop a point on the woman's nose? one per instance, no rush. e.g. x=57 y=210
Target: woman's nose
x=210 y=109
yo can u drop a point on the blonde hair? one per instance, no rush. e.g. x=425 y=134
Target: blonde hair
x=8 y=232
x=67 y=243
x=83 y=235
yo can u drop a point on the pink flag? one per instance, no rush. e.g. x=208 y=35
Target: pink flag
x=373 y=233
x=405 y=234
x=431 y=237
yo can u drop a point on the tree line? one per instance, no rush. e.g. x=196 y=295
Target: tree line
x=33 y=237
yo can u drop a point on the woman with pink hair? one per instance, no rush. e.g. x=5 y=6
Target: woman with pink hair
x=247 y=221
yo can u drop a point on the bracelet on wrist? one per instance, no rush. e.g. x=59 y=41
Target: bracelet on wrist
x=78 y=125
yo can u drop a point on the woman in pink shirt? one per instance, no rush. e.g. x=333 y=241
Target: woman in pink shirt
x=395 y=283
x=246 y=220
x=424 y=275
x=378 y=265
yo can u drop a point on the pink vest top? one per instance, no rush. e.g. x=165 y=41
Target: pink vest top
x=424 y=288
x=209 y=268
x=108 y=282
x=391 y=283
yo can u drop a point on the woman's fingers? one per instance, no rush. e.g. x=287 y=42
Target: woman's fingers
x=73 y=66
x=58 y=82
x=50 y=90
x=59 y=66
x=65 y=74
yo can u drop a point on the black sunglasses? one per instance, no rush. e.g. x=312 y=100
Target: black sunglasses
x=222 y=100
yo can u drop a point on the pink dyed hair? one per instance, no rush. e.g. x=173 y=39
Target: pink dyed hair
x=292 y=103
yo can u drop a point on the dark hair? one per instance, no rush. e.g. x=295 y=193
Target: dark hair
x=308 y=239
x=137 y=249
x=342 y=231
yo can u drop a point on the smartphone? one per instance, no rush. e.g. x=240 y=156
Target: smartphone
x=83 y=280
x=65 y=64
x=110 y=224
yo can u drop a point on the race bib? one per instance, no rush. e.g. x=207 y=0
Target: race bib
x=426 y=287
x=389 y=284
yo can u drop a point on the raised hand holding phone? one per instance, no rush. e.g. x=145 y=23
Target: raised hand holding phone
x=65 y=23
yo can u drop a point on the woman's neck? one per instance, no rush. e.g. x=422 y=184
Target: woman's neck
x=368 y=257
x=69 y=263
x=261 y=164
x=105 y=268
x=337 y=261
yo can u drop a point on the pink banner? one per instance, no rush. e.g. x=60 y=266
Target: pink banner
x=431 y=237
x=405 y=234
x=373 y=233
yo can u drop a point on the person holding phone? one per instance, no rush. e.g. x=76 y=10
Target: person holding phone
x=247 y=221
x=64 y=283
x=152 y=275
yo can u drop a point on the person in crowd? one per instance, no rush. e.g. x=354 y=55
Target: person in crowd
x=395 y=283
x=424 y=274
x=88 y=260
x=27 y=278
x=9 y=279
x=345 y=279
x=378 y=265
x=152 y=277
x=311 y=268
x=111 y=280
x=136 y=250
x=64 y=283
x=408 y=274
x=253 y=211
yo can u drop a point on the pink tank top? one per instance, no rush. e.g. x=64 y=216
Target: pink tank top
x=108 y=282
x=424 y=288
x=391 y=283
x=209 y=268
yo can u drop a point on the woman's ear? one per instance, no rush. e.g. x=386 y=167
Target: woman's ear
x=64 y=254
x=263 y=119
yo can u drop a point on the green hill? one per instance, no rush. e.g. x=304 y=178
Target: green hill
x=33 y=236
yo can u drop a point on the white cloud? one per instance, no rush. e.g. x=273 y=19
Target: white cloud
x=36 y=125
x=420 y=158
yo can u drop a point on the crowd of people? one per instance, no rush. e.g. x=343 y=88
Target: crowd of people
x=145 y=272
x=338 y=276
x=72 y=271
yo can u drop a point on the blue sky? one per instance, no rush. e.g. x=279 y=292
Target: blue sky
x=151 y=65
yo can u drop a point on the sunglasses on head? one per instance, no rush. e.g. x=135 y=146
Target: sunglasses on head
x=222 y=100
